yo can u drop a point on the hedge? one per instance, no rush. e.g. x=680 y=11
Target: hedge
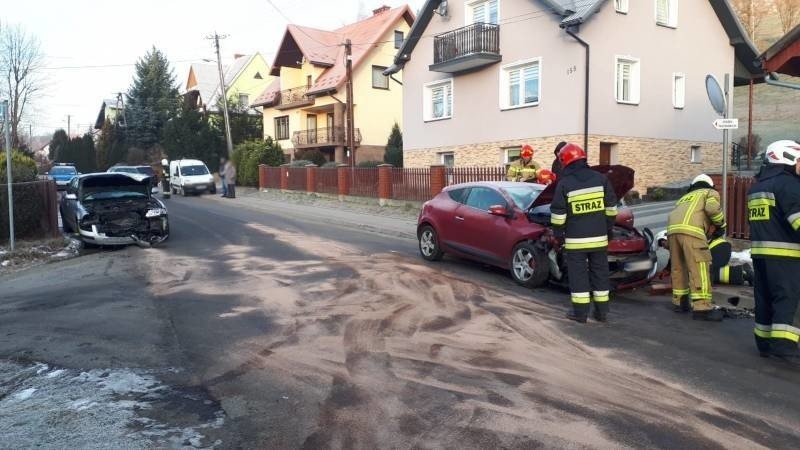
x=249 y=155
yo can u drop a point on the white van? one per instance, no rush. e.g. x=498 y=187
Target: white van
x=190 y=176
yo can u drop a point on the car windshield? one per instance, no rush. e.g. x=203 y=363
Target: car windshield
x=124 y=169
x=523 y=196
x=63 y=171
x=194 y=170
x=146 y=170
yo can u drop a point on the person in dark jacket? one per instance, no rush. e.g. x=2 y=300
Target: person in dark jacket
x=583 y=212
x=773 y=204
x=556 y=166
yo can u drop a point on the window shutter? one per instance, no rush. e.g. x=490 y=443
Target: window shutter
x=679 y=100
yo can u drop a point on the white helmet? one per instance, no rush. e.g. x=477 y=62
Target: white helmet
x=783 y=152
x=703 y=178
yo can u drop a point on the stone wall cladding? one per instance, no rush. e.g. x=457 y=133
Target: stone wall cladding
x=656 y=161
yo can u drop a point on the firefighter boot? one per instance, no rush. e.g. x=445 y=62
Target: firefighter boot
x=571 y=315
x=681 y=305
x=710 y=314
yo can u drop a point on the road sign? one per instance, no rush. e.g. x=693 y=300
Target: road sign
x=715 y=95
x=726 y=124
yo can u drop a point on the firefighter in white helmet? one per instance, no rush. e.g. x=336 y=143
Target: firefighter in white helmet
x=773 y=205
x=688 y=229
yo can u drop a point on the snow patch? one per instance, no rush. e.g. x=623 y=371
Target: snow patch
x=742 y=257
x=24 y=394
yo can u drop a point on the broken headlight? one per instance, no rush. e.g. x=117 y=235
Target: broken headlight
x=156 y=212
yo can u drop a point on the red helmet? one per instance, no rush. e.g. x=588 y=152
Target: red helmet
x=526 y=152
x=545 y=176
x=570 y=153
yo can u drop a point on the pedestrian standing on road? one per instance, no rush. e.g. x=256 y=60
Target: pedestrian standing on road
x=230 y=179
x=583 y=212
x=688 y=228
x=773 y=204
x=556 y=166
x=222 y=162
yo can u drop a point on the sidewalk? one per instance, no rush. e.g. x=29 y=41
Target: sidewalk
x=387 y=220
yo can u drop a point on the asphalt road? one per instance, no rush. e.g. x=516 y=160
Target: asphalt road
x=280 y=328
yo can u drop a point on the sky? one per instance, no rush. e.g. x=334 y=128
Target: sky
x=90 y=46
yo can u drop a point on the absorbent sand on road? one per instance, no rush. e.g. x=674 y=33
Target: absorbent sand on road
x=384 y=351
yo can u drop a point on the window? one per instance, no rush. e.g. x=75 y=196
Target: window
x=678 y=90
x=667 y=13
x=398 y=39
x=696 y=155
x=438 y=97
x=448 y=159
x=282 y=128
x=379 y=80
x=459 y=195
x=308 y=81
x=244 y=100
x=621 y=6
x=484 y=198
x=511 y=154
x=483 y=11
x=626 y=86
x=519 y=84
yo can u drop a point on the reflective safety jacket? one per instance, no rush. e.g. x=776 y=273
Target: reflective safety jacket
x=518 y=171
x=773 y=205
x=695 y=212
x=584 y=208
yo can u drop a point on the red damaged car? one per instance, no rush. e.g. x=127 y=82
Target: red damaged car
x=507 y=224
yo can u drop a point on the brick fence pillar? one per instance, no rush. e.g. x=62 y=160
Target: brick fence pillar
x=438 y=179
x=384 y=184
x=262 y=177
x=285 y=177
x=343 y=176
x=311 y=178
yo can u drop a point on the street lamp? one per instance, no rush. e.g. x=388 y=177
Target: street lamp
x=224 y=95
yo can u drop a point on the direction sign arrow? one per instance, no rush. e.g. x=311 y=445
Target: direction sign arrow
x=726 y=124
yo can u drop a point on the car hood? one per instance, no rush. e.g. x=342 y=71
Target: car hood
x=621 y=178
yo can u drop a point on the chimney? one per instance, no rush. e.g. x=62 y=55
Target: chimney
x=380 y=10
x=237 y=55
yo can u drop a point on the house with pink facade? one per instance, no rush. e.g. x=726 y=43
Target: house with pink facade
x=624 y=78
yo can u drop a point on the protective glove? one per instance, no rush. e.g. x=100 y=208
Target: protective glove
x=718 y=233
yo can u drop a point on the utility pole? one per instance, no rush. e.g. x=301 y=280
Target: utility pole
x=348 y=51
x=69 y=126
x=223 y=93
x=9 y=177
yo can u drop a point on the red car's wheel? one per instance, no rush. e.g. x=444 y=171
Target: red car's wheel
x=429 y=244
x=529 y=265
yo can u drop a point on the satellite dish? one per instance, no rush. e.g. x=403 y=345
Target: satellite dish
x=715 y=95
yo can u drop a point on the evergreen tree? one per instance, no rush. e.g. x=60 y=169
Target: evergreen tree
x=57 y=144
x=394 y=147
x=152 y=99
x=245 y=126
x=111 y=148
x=191 y=135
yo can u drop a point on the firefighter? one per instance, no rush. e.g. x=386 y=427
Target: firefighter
x=546 y=177
x=165 y=185
x=525 y=168
x=773 y=204
x=583 y=211
x=688 y=226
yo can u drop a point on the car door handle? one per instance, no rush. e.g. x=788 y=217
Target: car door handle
x=460 y=218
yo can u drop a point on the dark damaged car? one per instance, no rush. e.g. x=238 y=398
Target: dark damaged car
x=114 y=209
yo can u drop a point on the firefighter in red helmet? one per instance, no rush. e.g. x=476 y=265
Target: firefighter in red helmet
x=583 y=212
x=525 y=168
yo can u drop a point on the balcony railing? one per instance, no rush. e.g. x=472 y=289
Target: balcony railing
x=466 y=48
x=320 y=137
x=294 y=98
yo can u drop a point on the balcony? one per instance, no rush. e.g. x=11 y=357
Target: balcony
x=466 y=48
x=294 y=98
x=323 y=137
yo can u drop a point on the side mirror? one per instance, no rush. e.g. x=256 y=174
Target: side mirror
x=71 y=197
x=499 y=210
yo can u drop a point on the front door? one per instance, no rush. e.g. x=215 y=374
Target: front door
x=481 y=231
x=605 y=153
x=311 y=128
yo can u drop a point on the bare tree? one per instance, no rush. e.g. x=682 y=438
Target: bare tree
x=752 y=13
x=789 y=13
x=21 y=60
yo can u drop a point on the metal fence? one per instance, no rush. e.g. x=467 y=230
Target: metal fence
x=475 y=38
x=35 y=210
x=411 y=184
x=364 y=181
x=457 y=175
x=297 y=178
x=273 y=178
x=737 y=212
x=327 y=180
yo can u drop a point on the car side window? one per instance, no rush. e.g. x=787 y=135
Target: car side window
x=459 y=195
x=73 y=186
x=483 y=198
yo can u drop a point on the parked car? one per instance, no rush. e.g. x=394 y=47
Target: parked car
x=62 y=173
x=144 y=170
x=114 y=209
x=190 y=176
x=507 y=225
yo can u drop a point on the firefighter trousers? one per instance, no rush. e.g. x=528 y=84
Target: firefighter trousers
x=690 y=260
x=588 y=281
x=777 y=292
